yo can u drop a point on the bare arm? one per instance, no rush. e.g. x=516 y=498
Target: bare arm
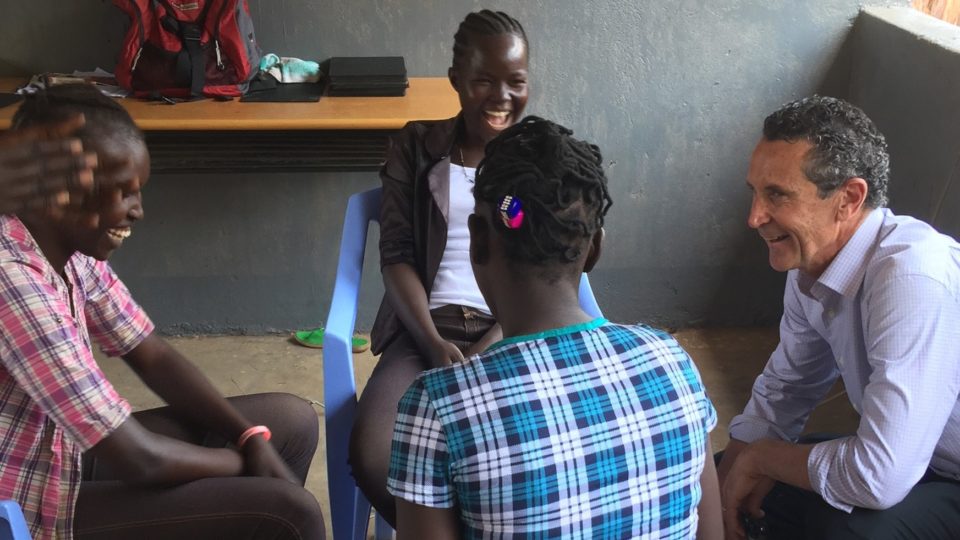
x=710 y=526
x=190 y=393
x=139 y=456
x=415 y=522
x=409 y=300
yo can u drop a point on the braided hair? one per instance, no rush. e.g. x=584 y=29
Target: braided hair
x=560 y=182
x=484 y=23
x=104 y=117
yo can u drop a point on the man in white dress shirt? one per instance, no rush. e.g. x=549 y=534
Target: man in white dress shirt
x=871 y=297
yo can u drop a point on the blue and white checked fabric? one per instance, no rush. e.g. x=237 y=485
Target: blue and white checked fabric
x=596 y=430
x=885 y=315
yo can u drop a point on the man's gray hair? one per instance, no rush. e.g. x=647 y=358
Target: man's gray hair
x=846 y=144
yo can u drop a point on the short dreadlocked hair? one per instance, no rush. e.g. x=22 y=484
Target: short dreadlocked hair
x=104 y=117
x=560 y=182
x=846 y=144
x=484 y=23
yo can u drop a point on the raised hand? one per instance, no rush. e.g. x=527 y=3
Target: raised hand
x=44 y=167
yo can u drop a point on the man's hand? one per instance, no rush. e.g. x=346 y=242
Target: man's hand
x=743 y=490
x=44 y=167
x=752 y=475
x=443 y=353
x=260 y=458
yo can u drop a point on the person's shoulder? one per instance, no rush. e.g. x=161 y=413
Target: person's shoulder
x=907 y=246
x=16 y=246
x=643 y=342
x=21 y=261
x=422 y=129
x=638 y=332
x=418 y=140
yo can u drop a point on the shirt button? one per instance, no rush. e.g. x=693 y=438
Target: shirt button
x=831 y=313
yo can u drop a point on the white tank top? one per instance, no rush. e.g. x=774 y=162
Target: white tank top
x=455 y=283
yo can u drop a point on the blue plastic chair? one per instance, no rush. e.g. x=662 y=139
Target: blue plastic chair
x=12 y=524
x=350 y=510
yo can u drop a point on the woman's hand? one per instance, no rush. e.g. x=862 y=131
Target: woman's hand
x=260 y=458
x=443 y=353
x=43 y=166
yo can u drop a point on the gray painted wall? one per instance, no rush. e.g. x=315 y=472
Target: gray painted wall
x=673 y=93
x=907 y=78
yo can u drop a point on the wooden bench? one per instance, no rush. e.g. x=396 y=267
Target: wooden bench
x=333 y=134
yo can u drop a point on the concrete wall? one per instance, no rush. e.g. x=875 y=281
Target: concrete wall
x=906 y=76
x=673 y=92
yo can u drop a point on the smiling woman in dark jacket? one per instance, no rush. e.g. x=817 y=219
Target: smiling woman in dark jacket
x=433 y=313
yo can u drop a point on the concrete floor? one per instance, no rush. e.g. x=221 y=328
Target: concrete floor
x=728 y=359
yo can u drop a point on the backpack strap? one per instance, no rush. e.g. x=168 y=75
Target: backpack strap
x=191 y=66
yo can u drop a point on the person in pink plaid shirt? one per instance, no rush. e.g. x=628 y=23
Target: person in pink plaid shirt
x=79 y=463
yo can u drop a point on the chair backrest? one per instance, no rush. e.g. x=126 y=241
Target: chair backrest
x=350 y=511
x=12 y=524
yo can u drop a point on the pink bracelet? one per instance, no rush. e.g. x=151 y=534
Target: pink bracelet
x=250 y=432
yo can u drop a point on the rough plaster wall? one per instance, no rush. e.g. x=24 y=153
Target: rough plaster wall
x=672 y=92
x=907 y=78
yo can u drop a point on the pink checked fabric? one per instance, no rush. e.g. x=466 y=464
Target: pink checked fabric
x=54 y=400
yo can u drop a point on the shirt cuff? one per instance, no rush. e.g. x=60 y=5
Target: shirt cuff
x=749 y=428
x=819 y=463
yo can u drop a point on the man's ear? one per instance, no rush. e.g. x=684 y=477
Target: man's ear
x=454 y=78
x=594 y=250
x=479 y=239
x=853 y=197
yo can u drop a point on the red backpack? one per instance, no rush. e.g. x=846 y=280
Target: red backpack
x=187 y=48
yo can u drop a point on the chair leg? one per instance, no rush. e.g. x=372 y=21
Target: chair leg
x=382 y=529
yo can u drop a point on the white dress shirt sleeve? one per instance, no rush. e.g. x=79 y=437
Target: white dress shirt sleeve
x=798 y=375
x=911 y=333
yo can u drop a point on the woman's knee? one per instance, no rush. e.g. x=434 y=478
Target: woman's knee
x=293 y=499
x=300 y=412
x=293 y=505
x=283 y=412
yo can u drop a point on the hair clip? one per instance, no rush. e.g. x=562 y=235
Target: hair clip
x=511 y=212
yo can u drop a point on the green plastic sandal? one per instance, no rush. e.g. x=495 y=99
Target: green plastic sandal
x=314 y=340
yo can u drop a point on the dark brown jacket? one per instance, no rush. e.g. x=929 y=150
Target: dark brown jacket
x=413 y=213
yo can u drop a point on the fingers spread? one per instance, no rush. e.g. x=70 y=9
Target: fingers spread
x=59 y=129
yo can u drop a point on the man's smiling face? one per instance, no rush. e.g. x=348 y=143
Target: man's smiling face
x=801 y=228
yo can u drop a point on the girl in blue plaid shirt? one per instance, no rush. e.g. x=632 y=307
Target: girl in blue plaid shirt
x=569 y=427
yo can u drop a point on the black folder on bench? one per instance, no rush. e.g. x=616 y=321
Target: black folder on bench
x=367 y=76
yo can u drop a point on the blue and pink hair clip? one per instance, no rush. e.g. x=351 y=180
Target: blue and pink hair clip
x=511 y=212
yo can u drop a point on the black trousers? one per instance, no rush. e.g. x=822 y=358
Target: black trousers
x=931 y=511
x=243 y=507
